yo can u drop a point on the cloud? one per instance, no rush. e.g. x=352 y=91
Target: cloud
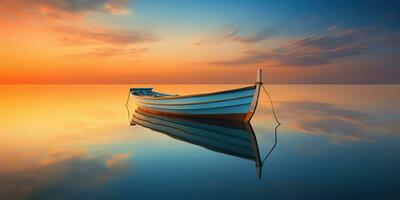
x=75 y=6
x=111 y=51
x=231 y=33
x=76 y=35
x=63 y=8
x=307 y=51
x=64 y=19
x=117 y=8
x=108 y=41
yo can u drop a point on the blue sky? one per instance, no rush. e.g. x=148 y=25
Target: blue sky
x=298 y=17
x=209 y=41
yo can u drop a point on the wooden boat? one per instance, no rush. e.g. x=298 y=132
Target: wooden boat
x=223 y=136
x=237 y=104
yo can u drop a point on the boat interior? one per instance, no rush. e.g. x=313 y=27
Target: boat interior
x=147 y=92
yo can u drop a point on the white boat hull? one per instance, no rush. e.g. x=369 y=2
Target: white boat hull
x=238 y=104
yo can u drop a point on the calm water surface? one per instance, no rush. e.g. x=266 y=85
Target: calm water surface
x=76 y=142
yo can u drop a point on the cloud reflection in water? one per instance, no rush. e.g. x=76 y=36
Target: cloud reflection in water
x=331 y=121
x=64 y=178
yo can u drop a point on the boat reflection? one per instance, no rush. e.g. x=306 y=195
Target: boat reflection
x=227 y=137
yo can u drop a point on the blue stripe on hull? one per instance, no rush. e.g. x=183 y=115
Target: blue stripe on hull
x=235 y=109
x=233 y=102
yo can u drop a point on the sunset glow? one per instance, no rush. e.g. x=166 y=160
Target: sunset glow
x=199 y=99
x=121 y=41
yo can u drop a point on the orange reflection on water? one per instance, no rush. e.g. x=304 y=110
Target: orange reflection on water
x=44 y=123
x=49 y=131
x=45 y=128
x=39 y=121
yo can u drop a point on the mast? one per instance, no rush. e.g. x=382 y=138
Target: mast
x=259 y=76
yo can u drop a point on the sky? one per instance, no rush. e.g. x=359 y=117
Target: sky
x=207 y=41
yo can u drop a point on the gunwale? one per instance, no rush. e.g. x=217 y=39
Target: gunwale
x=196 y=95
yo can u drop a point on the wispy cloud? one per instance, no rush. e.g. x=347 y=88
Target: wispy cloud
x=63 y=8
x=75 y=35
x=117 y=7
x=64 y=19
x=106 y=42
x=110 y=51
x=308 y=51
x=230 y=33
x=75 y=6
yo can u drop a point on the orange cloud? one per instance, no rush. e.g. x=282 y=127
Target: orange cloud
x=108 y=52
x=62 y=8
x=117 y=7
x=64 y=21
x=76 y=35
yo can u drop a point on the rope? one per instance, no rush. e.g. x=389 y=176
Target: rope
x=275 y=142
x=127 y=107
x=272 y=105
